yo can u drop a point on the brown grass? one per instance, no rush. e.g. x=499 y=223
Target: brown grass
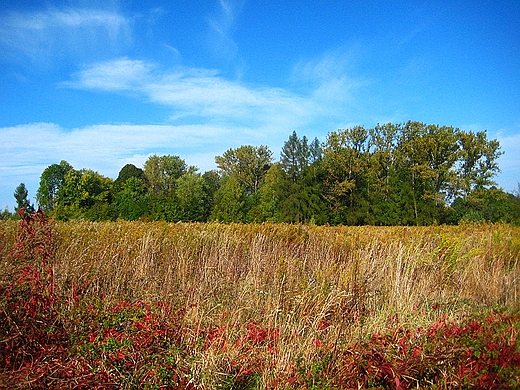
x=332 y=284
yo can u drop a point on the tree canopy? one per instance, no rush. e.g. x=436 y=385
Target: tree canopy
x=393 y=174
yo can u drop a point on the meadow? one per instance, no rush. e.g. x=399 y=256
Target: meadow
x=258 y=306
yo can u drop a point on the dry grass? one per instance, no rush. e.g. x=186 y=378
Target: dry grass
x=326 y=285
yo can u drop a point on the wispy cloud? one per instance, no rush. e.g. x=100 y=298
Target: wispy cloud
x=116 y=75
x=195 y=93
x=220 y=29
x=43 y=35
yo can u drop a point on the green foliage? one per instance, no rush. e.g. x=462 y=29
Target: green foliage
x=190 y=198
x=481 y=205
x=22 y=203
x=229 y=202
x=51 y=180
x=248 y=164
x=392 y=174
x=127 y=172
x=162 y=173
x=6 y=214
x=295 y=156
x=83 y=190
x=132 y=200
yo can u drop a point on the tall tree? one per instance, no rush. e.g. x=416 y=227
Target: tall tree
x=315 y=151
x=162 y=173
x=344 y=170
x=271 y=193
x=229 y=203
x=295 y=156
x=415 y=172
x=51 y=180
x=128 y=171
x=478 y=162
x=21 y=194
x=212 y=183
x=190 y=198
x=248 y=164
x=132 y=199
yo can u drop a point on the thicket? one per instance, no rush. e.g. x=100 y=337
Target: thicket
x=393 y=174
x=253 y=306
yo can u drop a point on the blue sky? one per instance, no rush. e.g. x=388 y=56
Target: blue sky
x=104 y=83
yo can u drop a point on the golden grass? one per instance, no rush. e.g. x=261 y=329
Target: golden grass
x=332 y=284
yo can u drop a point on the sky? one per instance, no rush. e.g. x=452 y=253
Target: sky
x=101 y=84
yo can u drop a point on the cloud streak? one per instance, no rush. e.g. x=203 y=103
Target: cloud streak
x=195 y=93
x=41 y=36
x=220 y=29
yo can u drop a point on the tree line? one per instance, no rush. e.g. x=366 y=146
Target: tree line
x=392 y=174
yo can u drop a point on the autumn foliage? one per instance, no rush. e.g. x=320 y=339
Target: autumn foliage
x=204 y=306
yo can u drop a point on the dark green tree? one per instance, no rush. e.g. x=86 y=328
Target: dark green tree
x=21 y=194
x=212 y=181
x=487 y=205
x=128 y=171
x=132 y=200
x=295 y=156
x=5 y=214
x=315 y=151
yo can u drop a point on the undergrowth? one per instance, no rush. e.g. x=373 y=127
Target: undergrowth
x=209 y=306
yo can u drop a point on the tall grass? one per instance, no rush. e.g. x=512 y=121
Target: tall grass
x=300 y=287
x=273 y=270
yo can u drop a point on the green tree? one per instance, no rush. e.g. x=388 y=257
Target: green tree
x=315 y=151
x=81 y=190
x=128 y=171
x=295 y=156
x=248 y=164
x=212 y=181
x=190 y=198
x=132 y=200
x=162 y=173
x=51 y=180
x=21 y=194
x=487 y=204
x=229 y=203
x=271 y=193
x=344 y=166
x=478 y=162
x=5 y=214
x=382 y=174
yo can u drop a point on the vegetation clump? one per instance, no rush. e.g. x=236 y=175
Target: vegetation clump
x=392 y=174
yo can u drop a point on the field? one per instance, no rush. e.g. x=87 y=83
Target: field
x=258 y=306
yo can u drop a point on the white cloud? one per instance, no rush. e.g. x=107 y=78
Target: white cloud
x=42 y=36
x=104 y=148
x=115 y=75
x=196 y=93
